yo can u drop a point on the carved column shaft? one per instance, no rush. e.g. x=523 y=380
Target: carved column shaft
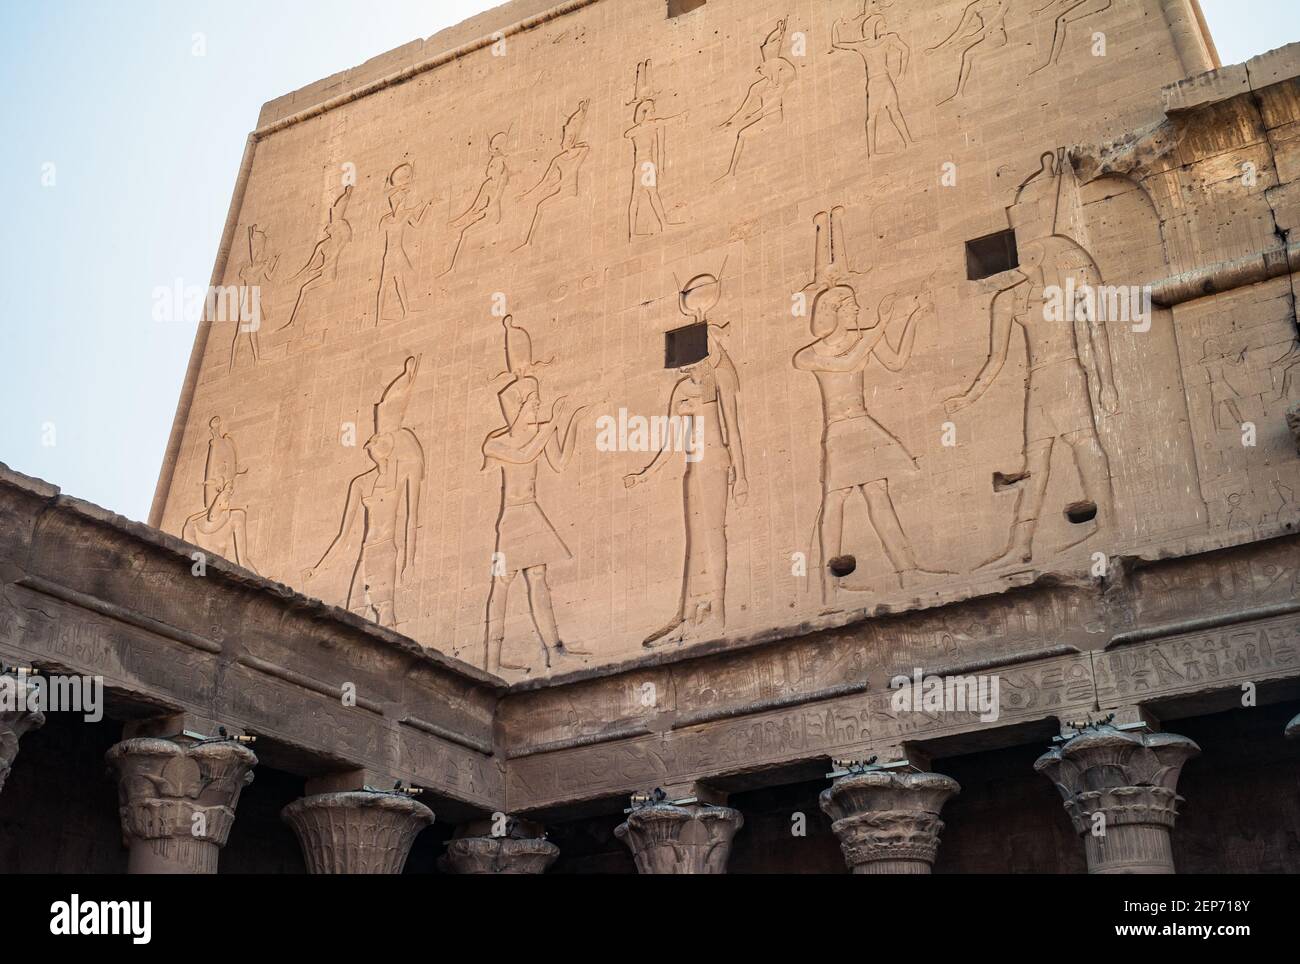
x=357 y=832
x=177 y=803
x=15 y=722
x=888 y=822
x=669 y=839
x=1120 y=791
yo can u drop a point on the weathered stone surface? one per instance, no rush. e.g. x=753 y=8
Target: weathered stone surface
x=360 y=832
x=1293 y=728
x=692 y=839
x=178 y=801
x=14 y=723
x=888 y=822
x=1120 y=792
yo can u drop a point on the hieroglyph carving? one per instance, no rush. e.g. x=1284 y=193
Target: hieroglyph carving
x=982 y=28
x=322 y=265
x=385 y=501
x=561 y=176
x=1069 y=371
x=220 y=528
x=708 y=396
x=764 y=102
x=859 y=455
x=885 y=56
x=526 y=541
x=395 y=264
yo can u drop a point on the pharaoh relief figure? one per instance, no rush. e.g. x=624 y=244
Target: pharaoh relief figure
x=764 y=103
x=1068 y=380
x=395 y=264
x=485 y=209
x=526 y=541
x=259 y=270
x=381 y=513
x=561 y=175
x=220 y=528
x=707 y=396
x=885 y=56
x=859 y=455
x=646 y=213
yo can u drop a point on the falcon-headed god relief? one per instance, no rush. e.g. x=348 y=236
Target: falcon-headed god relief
x=764 y=99
x=859 y=455
x=885 y=56
x=708 y=397
x=382 y=508
x=1068 y=362
x=526 y=541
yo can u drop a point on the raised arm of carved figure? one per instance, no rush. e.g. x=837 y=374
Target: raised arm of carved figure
x=811 y=359
x=559 y=445
x=351 y=508
x=895 y=358
x=636 y=478
x=1003 y=311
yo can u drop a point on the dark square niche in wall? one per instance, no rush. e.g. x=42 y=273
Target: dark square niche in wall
x=686 y=346
x=678 y=7
x=991 y=254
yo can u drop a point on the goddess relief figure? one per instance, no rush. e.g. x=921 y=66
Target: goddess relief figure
x=708 y=395
x=382 y=508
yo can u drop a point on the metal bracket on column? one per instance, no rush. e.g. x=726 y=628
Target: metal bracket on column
x=1083 y=726
x=397 y=791
x=847 y=768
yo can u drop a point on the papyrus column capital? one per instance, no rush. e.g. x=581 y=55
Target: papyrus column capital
x=357 y=831
x=666 y=838
x=888 y=822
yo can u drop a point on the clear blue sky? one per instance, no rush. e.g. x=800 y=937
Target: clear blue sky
x=145 y=140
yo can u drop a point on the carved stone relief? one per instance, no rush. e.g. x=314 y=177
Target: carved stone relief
x=322 y=264
x=763 y=106
x=886 y=57
x=396 y=267
x=561 y=177
x=220 y=528
x=981 y=29
x=707 y=395
x=1069 y=380
x=381 y=511
x=485 y=209
x=526 y=541
x=1064 y=14
x=646 y=213
x=254 y=275
x=858 y=454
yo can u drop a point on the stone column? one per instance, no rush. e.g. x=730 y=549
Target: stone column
x=667 y=838
x=15 y=723
x=357 y=831
x=522 y=849
x=1189 y=38
x=888 y=821
x=177 y=802
x=1120 y=790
